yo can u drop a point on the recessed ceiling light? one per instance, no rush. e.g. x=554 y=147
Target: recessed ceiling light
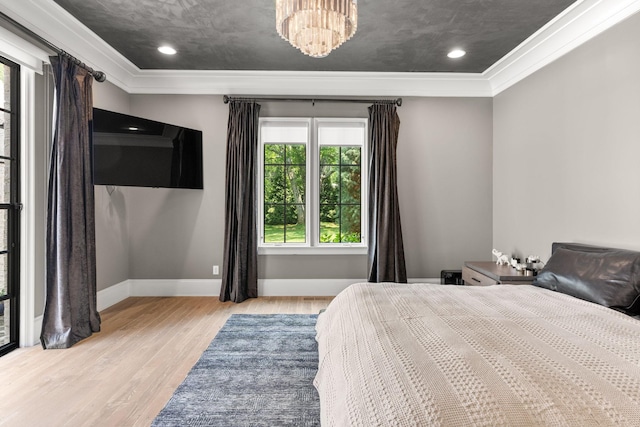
x=456 y=53
x=167 y=50
x=133 y=128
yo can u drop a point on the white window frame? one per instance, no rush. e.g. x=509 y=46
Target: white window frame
x=294 y=122
x=312 y=199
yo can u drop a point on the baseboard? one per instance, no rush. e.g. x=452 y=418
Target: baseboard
x=211 y=288
x=266 y=287
x=304 y=287
x=37 y=330
x=175 y=287
x=113 y=295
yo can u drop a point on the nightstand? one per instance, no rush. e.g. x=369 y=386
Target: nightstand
x=485 y=273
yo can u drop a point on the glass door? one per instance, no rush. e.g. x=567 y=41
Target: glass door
x=9 y=205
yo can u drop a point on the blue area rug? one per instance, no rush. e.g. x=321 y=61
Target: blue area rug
x=257 y=371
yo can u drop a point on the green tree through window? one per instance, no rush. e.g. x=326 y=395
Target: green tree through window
x=340 y=192
x=284 y=193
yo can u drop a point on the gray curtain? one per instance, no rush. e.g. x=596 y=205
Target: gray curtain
x=240 y=264
x=385 y=251
x=70 y=313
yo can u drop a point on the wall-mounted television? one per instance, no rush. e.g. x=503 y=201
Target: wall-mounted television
x=132 y=151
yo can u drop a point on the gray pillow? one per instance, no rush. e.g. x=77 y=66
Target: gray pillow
x=609 y=277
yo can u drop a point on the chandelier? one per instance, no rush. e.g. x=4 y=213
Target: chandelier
x=316 y=27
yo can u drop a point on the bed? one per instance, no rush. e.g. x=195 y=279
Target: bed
x=434 y=355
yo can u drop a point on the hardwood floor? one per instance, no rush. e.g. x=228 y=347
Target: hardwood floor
x=125 y=374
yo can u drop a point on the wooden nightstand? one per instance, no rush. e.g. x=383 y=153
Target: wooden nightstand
x=479 y=273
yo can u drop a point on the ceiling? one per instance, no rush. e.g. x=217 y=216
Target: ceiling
x=228 y=47
x=392 y=36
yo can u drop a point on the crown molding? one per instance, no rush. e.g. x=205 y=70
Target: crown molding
x=579 y=23
x=50 y=21
x=292 y=83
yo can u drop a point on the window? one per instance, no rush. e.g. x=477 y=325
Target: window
x=311 y=183
x=340 y=146
x=284 y=153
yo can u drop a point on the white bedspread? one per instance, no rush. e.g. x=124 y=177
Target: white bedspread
x=433 y=355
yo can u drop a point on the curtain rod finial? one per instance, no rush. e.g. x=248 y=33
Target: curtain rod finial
x=99 y=76
x=399 y=102
x=225 y=99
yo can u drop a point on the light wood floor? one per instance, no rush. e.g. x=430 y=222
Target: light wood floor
x=125 y=374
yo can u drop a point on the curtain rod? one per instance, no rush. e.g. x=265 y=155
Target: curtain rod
x=397 y=101
x=98 y=75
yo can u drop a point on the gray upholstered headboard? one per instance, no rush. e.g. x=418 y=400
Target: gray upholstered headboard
x=605 y=276
x=581 y=247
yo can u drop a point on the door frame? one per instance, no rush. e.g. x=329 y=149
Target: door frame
x=35 y=142
x=13 y=208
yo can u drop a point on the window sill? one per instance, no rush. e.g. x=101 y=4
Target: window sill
x=312 y=250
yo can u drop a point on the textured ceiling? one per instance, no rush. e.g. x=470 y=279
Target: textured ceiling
x=392 y=36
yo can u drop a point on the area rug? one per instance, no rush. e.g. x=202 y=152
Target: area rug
x=257 y=371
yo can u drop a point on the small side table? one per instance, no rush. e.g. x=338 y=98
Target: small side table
x=486 y=273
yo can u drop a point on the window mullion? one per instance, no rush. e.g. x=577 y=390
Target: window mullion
x=284 y=193
x=340 y=194
x=313 y=178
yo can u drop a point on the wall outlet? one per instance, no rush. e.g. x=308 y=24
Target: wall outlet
x=216 y=270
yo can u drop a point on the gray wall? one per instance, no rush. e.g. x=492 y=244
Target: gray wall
x=566 y=150
x=112 y=236
x=178 y=233
x=444 y=157
x=444 y=163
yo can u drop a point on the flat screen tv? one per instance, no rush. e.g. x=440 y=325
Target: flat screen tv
x=132 y=151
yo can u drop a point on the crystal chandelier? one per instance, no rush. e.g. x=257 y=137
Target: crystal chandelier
x=316 y=27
